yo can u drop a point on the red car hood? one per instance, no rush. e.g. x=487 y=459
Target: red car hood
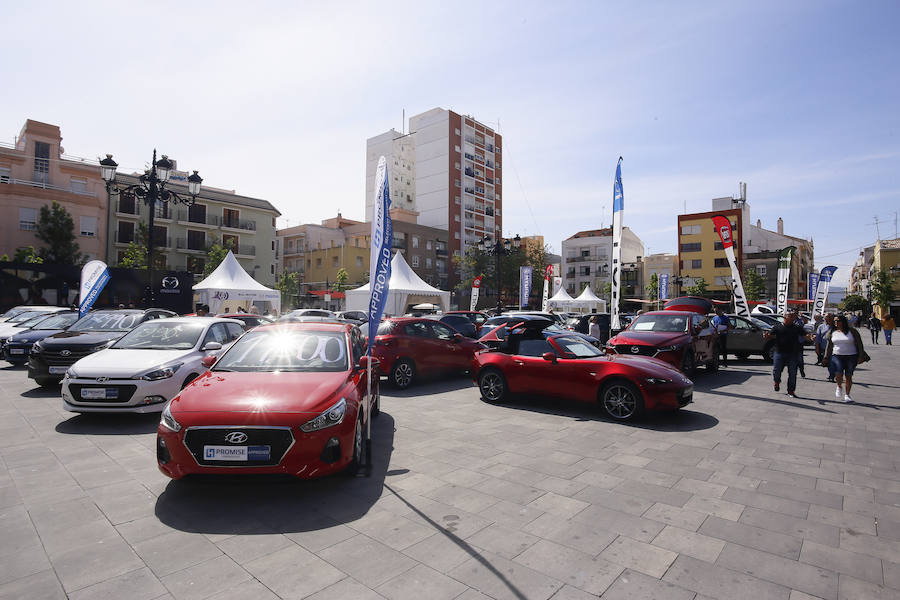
x=650 y=367
x=649 y=338
x=261 y=392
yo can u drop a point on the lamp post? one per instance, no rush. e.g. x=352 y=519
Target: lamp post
x=678 y=280
x=498 y=250
x=151 y=188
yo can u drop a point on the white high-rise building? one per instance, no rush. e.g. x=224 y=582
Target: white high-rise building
x=448 y=170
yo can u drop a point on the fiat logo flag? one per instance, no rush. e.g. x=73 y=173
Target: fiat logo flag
x=723 y=228
x=476 y=287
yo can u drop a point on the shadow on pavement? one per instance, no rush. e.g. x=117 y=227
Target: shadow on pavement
x=777 y=401
x=41 y=392
x=109 y=424
x=278 y=504
x=705 y=381
x=428 y=387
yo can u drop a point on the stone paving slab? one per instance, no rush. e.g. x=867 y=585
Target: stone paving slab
x=746 y=493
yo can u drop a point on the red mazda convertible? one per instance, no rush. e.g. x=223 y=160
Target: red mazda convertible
x=285 y=398
x=526 y=359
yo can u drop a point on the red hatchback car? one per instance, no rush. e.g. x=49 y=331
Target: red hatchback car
x=409 y=347
x=681 y=338
x=529 y=360
x=285 y=398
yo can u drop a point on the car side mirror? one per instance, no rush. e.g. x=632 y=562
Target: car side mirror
x=211 y=346
x=365 y=361
x=551 y=356
x=457 y=337
x=208 y=361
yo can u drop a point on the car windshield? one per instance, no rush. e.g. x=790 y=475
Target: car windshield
x=162 y=335
x=659 y=322
x=35 y=319
x=27 y=316
x=108 y=321
x=278 y=350
x=57 y=321
x=760 y=323
x=577 y=347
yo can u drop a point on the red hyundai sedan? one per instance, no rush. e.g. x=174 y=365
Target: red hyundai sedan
x=529 y=360
x=285 y=398
x=409 y=347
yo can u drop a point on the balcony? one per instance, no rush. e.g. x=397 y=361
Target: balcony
x=469 y=223
x=470 y=207
x=469 y=156
x=479 y=190
x=489 y=211
x=244 y=250
x=45 y=186
x=470 y=139
x=183 y=244
x=128 y=207
x=469 y=190
x=489 y=179
x=244 y=224
x=440 y=252
x=399 y=243
x=479 y=158
x=184 y=216
x=470 y=172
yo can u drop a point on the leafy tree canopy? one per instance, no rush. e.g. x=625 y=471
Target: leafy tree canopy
x=135 y=255
x=698 y=289
x=57 y=230
x=855 y=302
x=883 y=292
x=217 y=253
x=754 y=284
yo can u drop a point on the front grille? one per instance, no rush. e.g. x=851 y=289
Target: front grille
x=641 y=350
x=279 y=439
x=55 y=357
x=125 y=393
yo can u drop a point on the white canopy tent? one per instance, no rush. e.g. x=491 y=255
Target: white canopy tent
x=405 y=288
x=590 y=300
x=230 y=282
x=560 y=299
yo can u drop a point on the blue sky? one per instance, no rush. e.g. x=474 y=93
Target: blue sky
x=275 y=100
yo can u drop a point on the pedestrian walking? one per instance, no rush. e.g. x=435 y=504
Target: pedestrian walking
x=722 y=324
x=822 y=332
x=817 y=342
x=845 y=350
x=594 y=329
x=874 y=328
x=887 y=324
x=787 y=336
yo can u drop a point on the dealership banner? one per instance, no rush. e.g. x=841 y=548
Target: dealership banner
x=557 y=284
x=822 y=289
x=726 y=235
x=618 y=213
x=548 y=275
x=663 y=287
x=94 y=277
x=784 y=275
x=525 y=275
x=812 y=282
x=476 y=286
x=380 y=259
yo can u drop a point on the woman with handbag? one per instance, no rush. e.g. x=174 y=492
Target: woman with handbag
x=845 y=351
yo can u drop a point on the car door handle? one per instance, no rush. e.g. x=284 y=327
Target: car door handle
x=520 y=363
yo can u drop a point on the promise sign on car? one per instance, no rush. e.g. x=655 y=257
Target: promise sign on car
x=236 y=452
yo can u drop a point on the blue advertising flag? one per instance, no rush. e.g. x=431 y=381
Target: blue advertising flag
x=664 y=286
x=380 y=259
x=618 y=213
x=94 y=277
x=821 y=297
x=525 y=276
x=813 y=281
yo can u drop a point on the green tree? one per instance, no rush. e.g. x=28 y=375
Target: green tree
x=27 y=255
x=340 y=280
x=754 y=284
x=56 y=229
x=883 y=289
x=135 y=255
x=217 y=253
x=289 y=286
x=855 y=302
x=698 y=289
x=653 y=288
x=476 y=262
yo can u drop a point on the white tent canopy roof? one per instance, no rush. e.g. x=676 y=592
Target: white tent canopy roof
x=561 y=298
x=589 y=298
x=231 y=282
x=405 y=287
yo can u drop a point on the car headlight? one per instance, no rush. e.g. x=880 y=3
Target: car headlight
x=103 y=346
x=37 y=347
x=168 y=421
x=70 y=373
x=668 y=348
x=163 y=372
x=332 y=416
x=656 y=380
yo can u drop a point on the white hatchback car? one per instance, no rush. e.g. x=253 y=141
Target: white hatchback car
x=148 y=366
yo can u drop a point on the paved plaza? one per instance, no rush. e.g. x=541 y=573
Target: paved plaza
x=746 y=494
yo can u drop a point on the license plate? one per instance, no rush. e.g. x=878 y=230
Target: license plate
x=17 y=350
x=58 y=370
x=236 y=453
x=99 y=393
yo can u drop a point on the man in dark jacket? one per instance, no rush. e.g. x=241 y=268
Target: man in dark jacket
x=788 y=338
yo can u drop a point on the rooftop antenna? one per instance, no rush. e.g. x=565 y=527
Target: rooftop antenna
x=877 y=232
x=403 y=123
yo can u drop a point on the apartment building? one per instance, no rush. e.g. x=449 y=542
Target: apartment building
x=659 y=264
x=448 y=169
x=35 y=172
x=858 y=283
x=184 y=233
x=587 y=257
x=700 y=251
x=886 y=255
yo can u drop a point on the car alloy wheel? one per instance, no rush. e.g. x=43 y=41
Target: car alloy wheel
x=356 y=460
x=622 y=401
x=403 y=373
x=492 y=385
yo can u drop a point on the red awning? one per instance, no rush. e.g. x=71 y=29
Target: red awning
x=334 y=295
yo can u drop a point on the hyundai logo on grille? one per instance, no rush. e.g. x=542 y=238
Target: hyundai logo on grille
x=236 y=437
x=102 y=379
x=65 y=353
x=635 y=349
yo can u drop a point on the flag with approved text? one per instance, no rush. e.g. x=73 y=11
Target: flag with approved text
x=380 y=259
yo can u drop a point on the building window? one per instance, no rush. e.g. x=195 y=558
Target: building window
x=271 y=269
x=160 y=236
x=196 y=240
x=427 y=263
x=761 y=270
x=415 y=240
x=720 y=262
x=334 y=261
x=456 y=148
x=126 y=232
x=162 y=210
x=318 y=263
x=456 y=218
x=6 y=173
x=697 y=264
x=195 y=264
x=231 y=218
x=415 y=260
x=428 y=244
x=28 y=219
x=690 y=247
x=231 y=241
x=690 y=229
x=456 y=183
x=456 y=235
x=457 y=131
x=456 y=252
x=718 y=246
x=78 y=185
x=359 y=261
x=41 y=162
x=197 y=213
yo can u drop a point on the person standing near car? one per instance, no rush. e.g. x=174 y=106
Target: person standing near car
x=787 y=338
x=822 y=332
x=875 y=328
x=845 y=350
x=887 y=323
x=594 y=329
x=723 y=325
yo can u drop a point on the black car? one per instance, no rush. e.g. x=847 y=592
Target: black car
x=582 y=324
x=15 y=349
x=51 y=357
x=357 y=316
x=460 y=323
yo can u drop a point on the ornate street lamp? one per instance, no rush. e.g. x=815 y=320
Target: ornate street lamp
x=151 y=188
x=499 y=249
